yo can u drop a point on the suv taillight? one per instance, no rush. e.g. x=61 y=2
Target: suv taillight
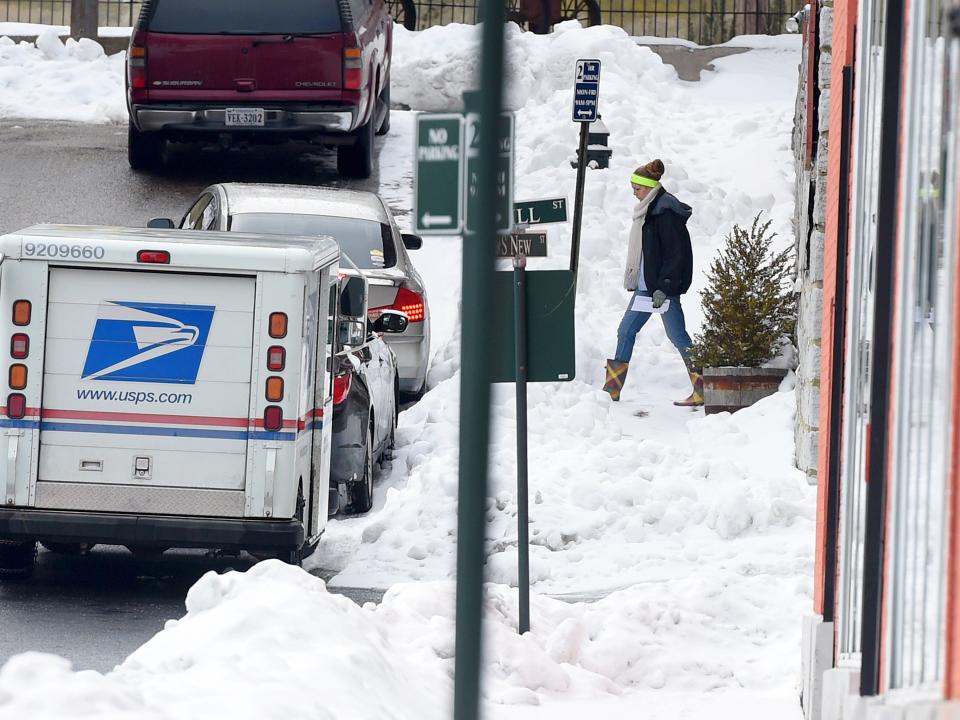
x=137 y=67
x=408 y=302
x=352 y=68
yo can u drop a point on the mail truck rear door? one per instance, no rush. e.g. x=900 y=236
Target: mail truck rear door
x=146 y=392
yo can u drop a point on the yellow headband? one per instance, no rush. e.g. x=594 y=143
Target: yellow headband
x=645 y=181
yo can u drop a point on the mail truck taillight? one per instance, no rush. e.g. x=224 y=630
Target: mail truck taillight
x=341 y=388
x=21 y=312
x=154 y=256
x=278 y=325
x=19 y=346
x=16 y=406
x=276 y=358
x=273 y=418
x=18 y=376
x=137 y=67
x=274 y=389
x=408 y=302
x=352 y=68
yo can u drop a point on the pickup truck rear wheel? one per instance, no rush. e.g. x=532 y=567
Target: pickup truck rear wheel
x=385 y=101
x=17 y=558
x=356 y=161
x=144 y=150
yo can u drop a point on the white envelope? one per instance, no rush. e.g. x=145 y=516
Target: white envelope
x=643 y=303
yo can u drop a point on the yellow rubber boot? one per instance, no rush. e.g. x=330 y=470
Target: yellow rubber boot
x=696 y=397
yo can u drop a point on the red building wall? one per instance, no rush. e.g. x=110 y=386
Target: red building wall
x=844 y=40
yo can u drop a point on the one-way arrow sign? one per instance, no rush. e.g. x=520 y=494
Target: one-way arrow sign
x=438 y=198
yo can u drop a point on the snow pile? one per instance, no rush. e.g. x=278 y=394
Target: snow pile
x=53 y=80
x=273 y=643
x=268 y=643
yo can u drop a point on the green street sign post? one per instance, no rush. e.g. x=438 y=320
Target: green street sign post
x=438 y=196
x=504 y=161
x=540 y=212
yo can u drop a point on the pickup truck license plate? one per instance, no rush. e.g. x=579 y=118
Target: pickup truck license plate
x=244 y=117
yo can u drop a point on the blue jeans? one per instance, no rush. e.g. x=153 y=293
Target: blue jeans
x=673 y=323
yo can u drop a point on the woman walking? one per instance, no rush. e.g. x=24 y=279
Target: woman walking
x=659 y=270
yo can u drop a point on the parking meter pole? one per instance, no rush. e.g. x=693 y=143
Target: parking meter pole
x=476 y=370
x=520 y=344
x=578 y=201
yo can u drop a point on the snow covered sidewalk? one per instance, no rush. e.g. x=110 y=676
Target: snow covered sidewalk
x=693 y=535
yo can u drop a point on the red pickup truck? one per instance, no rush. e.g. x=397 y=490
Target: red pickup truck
x=226 y=71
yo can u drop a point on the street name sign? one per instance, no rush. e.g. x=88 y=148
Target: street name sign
x=540 y=212
x=438 y=196
x=504 y=199
x=586 y=91
x=522 y=245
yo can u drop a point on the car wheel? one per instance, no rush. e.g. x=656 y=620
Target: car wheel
x=144 y=150
x=356 y=161
x=385 y=100
x=361 y=492
x=17 y=558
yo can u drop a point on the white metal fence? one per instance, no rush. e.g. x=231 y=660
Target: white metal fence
x=919 y=491
x=860 y=298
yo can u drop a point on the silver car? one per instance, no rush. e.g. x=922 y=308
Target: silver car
x=367 y=233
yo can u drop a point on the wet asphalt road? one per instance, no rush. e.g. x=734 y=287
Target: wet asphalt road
x=96 y=609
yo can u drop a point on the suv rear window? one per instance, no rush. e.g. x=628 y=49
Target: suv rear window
x=369 y=244
x=244 y=17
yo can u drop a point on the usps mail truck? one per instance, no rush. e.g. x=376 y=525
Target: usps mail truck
x=164 y=388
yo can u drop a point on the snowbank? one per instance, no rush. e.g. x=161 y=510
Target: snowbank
x=53 y=80
x=273 y=643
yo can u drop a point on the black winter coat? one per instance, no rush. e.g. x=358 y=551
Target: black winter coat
x=667 y=252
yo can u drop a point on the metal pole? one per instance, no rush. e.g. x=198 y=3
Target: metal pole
x=881 y=379
x=578 y=201
x=520 y=344
x=84 y=19
x=475 y=363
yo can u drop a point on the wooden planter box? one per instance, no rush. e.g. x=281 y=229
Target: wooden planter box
x=729 y=389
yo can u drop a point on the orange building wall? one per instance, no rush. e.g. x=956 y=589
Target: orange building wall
x=952 y=679
x=844 y=40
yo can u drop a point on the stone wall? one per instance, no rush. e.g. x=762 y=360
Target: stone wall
x=809 y=227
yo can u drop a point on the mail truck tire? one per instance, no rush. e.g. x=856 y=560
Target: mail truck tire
x=356 y=160
x=68 y=548
x=144 y=150
x=17 y=558
x=361 y=492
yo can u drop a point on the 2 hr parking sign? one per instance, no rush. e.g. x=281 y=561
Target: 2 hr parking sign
x=586 y=91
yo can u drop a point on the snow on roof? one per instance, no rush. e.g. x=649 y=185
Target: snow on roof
x=303 y=200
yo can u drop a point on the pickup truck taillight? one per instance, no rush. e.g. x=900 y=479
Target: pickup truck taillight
x=352 y=68
x=137 y=67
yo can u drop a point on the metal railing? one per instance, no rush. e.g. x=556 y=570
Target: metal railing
x=112 y=13
x=705 y=22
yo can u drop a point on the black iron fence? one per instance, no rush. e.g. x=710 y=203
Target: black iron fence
x=705 y=22
x=112 y=13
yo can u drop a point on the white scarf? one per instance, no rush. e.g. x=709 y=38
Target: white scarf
x=631 y=277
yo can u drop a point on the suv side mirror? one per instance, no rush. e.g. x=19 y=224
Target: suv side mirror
x=391 y=321
x=412 y=242
x=161 y=224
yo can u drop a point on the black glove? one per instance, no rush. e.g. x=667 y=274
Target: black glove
x=658 y=297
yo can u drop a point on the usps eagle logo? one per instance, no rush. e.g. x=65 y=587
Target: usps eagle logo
x=148 y=342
